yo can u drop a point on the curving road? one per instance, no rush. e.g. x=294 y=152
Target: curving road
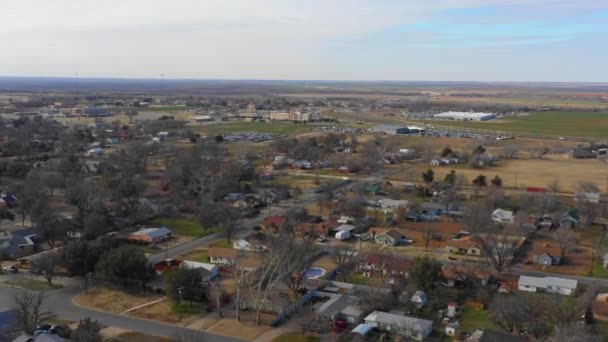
x=60 y=303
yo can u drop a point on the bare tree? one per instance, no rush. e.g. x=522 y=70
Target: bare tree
x=382 y=258
x=538 y=152
x=298 y=261
x=574 y=333
x=587 y=208
x=498 y=248
x=374 y=298
x=87 y=331
x=276 y=267
x=587 y=186
x=427 y=235
x=506 y=311
x=496 y=197
x=30 y=311
x=566 y=240
x=47 y=266
x=477 y=217
x=510 y=152
x=231 y=222
x=346 y=258
x=216 y=293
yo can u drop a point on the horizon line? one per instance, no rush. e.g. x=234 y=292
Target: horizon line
x=127 y=78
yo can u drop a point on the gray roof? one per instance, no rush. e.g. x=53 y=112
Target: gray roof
x=547 y=281
x=336 y=304
x=410 y=323
x=389 y=127
x=532 y=281
x=562 y=282
x=154 y=232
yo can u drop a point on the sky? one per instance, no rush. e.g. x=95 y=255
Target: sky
x=424 y=40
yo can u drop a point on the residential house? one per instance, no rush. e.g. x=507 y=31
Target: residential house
x=19 y=243
x=606 y=261
x=466 y=245
x=419 y=299
x=222 y=256
x=546 y=259
x=253 y=242
x=555 y=285
x=343 y=169
x=391 y=204
x=471 y=245
x=568 y=222
x=546 y=254
x=273 y=224
x=388 y=265
x=315 y=229
x=410 y=327
x=591 y=197
x=208 y=271
x=388 y=237
x=9 y=199
x=150 y=235
x=340 y=307
x=346 y=218
x=502 y=216
x=454 y=275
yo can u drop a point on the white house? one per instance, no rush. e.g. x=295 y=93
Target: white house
x=415 y=328
x=390 y=204
x=210 y=271
x=591 y=197
x=502 y=216
x=555 y=285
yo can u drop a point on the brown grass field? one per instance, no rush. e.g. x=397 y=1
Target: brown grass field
x=113 y=300
x=522 y=173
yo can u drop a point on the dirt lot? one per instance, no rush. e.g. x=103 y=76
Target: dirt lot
x=522 y=173
x=113 y=300
x=246 y=329
x=161 y=311
x=577 y=261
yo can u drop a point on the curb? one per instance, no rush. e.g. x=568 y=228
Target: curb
x=149 y=320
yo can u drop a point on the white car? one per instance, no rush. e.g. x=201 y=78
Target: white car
x=322 y=238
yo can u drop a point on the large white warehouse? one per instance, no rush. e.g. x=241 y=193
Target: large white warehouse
x=465 y=116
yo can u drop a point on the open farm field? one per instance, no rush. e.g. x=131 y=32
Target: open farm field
x=282 y=128
x=522 y=173
x=578 y=124
x=531 y=102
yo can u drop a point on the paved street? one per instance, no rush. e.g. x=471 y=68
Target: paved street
x=60 y=303
x=307 y=198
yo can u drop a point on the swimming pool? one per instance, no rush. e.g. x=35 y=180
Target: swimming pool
x=314 y=273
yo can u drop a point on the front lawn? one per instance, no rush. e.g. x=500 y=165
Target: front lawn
x=296 y=337
x=198 y=255
x=33 y=284
x=598 y=270
x=471 y=320
x=184 y=227
x=221 y=243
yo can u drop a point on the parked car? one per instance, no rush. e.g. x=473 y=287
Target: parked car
x=322 y=238
x=10 y=269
